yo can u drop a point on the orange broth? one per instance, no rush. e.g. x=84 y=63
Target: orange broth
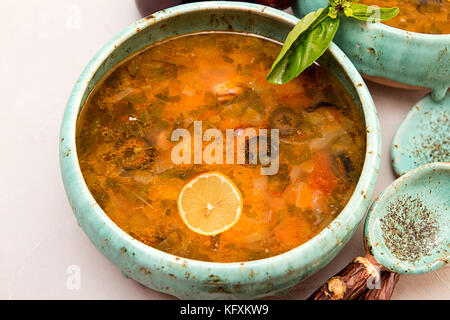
x=124 y=144
x=423 y=16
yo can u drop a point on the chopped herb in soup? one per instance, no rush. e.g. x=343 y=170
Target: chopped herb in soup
x=124 y=144
x=423 y=16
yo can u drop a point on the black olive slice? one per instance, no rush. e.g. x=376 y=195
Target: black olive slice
x=322 y=104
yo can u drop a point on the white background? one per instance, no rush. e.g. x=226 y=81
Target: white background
x=44 y=46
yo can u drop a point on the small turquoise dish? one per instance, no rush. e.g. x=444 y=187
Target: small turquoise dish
x=423 y=136
x=191 y=279
x=407 y=229
x=389 y=55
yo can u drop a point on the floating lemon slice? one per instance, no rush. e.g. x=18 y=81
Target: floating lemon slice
x=210 y=203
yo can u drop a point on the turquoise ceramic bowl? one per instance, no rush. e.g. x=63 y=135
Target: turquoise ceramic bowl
x=192 y=279
x=390 y=55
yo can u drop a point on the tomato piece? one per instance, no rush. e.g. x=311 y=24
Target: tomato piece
x=291 y=230
x=322 y=177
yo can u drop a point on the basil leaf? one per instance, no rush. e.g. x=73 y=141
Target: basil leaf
x=372 y=13
x=314 y=43
x=294 y=38
x=312 y=35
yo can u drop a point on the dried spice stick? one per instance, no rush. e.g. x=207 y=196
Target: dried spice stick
x=388 y=281
x=350 y=282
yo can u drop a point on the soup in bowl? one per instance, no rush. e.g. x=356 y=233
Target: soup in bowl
x=408 y=51
x=218 y=80
x=153 y=191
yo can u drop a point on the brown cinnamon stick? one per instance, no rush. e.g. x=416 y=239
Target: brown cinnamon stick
x=388 y=281
x=350 y=282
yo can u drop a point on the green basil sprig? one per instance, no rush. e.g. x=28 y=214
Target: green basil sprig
x=313 y=34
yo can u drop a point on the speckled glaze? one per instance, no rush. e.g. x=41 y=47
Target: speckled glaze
x=190 y=279
x=423 y=136
x=419 y=202
x=381 y=51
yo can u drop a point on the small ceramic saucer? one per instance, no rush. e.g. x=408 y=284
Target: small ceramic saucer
x=407 y=231
x=423 y=136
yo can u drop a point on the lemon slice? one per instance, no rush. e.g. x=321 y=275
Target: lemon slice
x=210 y=203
